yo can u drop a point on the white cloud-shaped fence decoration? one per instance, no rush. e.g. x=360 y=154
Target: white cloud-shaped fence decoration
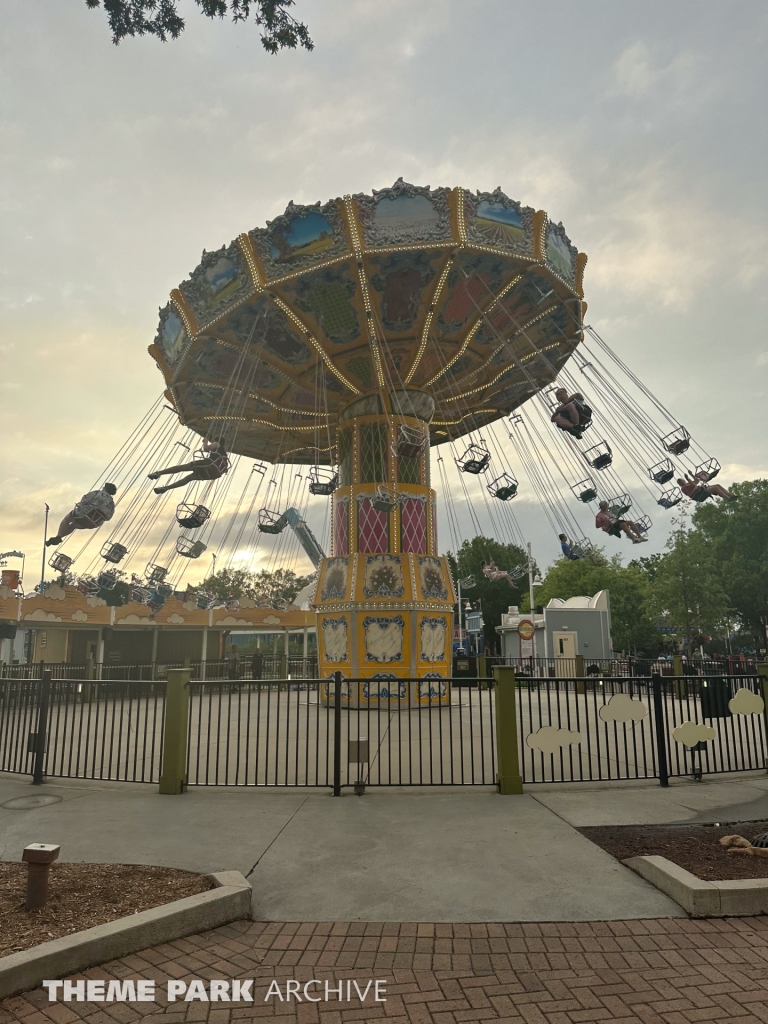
x=549 y=740
x=622 y=708
x=746 y=702
x=691 y=733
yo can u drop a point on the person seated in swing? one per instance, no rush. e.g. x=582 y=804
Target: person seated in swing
x=214 y=465
x=611 y=524
x=93 y=509
x=492 y=572
x=697 y=489
x=572 y=414
x=567 y=548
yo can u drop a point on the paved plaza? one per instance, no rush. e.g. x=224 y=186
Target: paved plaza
x=635 y=972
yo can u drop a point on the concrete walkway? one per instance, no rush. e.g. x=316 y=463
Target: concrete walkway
x=633 y=972
x=392 y=855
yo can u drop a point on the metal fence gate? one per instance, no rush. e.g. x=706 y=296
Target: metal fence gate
x=308 y=733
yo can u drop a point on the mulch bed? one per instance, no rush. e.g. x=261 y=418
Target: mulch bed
x=83 y=895
x=693 y=847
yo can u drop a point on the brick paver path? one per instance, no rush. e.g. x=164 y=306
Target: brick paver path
x=635 y=972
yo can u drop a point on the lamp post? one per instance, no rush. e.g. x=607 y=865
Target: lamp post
x=468 y=582
x=45 y=536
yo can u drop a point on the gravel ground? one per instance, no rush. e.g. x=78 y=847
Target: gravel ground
x=83 y=895
x=694 y=847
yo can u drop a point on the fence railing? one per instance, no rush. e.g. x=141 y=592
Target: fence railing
x=570 y=668
x=246 y=733
x=337 y=733
x=274 y=666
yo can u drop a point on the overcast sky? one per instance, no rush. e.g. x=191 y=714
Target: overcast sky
x=640 y=125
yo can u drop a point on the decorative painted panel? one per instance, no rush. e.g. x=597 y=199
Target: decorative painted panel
x=336 y=576
x=433 y=633
x=432 y=685
x=413 y=524
x=372 y=528
x=383 y=686
x=383 y=576
x=404 y=215
x=561 y=255
x=492 y=219
x=220 y=280
x=335 y=639
x=383 y=637
x=171 y=336
x=432 y=580
x=301 y=237
x=341 y=528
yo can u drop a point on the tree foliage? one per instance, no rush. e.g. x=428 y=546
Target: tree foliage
x=161 y=18
x=495 y=596
x=633 y=628
x=273 y=589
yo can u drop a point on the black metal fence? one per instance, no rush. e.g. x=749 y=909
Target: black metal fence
x=274 y=666
x=294 y=734
x=578 y=730
x=408 y=732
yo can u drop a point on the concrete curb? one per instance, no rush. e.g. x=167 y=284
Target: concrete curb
x=738 y=897
x=229 y=901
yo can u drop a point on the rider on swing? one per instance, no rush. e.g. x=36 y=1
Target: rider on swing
x=697 y=488
x=93 y=509
x=212 y=467
x=572 y=413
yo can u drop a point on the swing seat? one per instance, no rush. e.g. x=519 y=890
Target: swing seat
x=589 y=495
x=155 y=573
x=271 y=522
x=614 y=530
x=114 y=553
x=188 y=548
x=106 y=580
x=620 y=505
x=599 y=456
x=585 y=490
x=707 y=470
x=60 y=562
x=411 y=442
x=88 y=587
x=662 y=472
x=504 y=487
x=700 y=494
x=384 y=501
x=217 y=465
x=475 y=459
x=670 y=498
x=644 y=524
x=192 y=517
x=140 y=594
x=322 y=481
x=204 y=601
x=233 y=605
x=677 y=441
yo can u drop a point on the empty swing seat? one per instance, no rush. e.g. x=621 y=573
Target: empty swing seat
x=475 y=459
x=662 y=472
x=643 y=524
x=114 y=553
x=155 y=573
x=411 y=442
x=620 y=504
x=585 y=490
x=385 y=501
x=88 y=587
x=271 y=522
x=504 y=487
x=106 y=580
x=140 y=594
x=707 y=470
x=599 y=456
x=192 y=517
x=670 y=498
x=677 y=441
x=60 y=562
x=188 y=548
x=322 y=481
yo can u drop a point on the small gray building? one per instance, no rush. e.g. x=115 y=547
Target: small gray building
x=580 y=625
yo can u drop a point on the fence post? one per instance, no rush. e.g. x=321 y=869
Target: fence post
x=661 y=730
x=174 y=777
x=507 y=756
x=41 y=735
x=337 y=734
x=763 y=673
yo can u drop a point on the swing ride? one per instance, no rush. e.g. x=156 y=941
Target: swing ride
x=326 y=355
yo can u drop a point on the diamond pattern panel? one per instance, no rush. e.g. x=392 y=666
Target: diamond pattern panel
x=341 y=528
x=373 y=453
x=372 y=529
x=413 y=525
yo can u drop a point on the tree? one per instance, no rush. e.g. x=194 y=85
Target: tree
x=275 y=589
x=161 y=18
x=633 y=628
x=735 y=536
x=495 y=596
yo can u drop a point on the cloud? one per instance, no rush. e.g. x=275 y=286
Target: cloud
x=95 y=602
x=634 y=73
x=230 y=620
x=55 y=592
x=175 y=619
x=79 y=616
x=38 y=615
x=622 y=708
x=746 y=702
x=689 y=734
x=271 y=620
x=549 y=739
x=132 y=619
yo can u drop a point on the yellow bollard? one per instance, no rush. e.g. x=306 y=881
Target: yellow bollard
x=507 y=756
x=174 y=777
